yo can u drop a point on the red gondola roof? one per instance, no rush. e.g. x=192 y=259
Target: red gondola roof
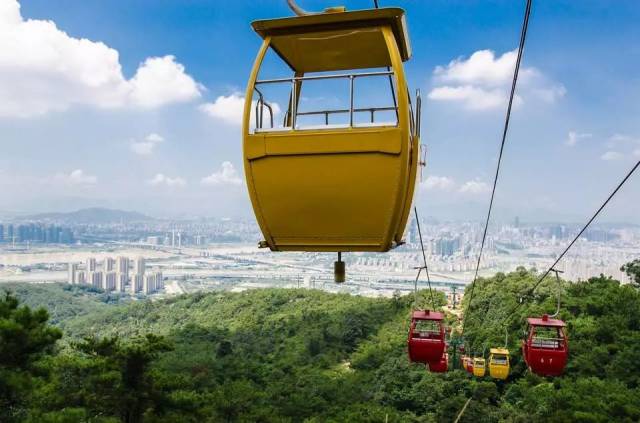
x=546 y=321
x=427 y=315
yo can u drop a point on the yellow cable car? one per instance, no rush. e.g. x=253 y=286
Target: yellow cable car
x=499 y=363
x=479 y=367
x=332 y=187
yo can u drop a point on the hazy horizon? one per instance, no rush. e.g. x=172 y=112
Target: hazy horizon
x=500 y=219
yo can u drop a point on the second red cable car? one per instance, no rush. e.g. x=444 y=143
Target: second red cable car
x=426 y=337
x=546 y=348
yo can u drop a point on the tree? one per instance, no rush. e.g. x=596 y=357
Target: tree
x=25 y=337
x=121 y=380
x=632 y=269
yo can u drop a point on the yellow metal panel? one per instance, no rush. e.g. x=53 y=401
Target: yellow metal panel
x=499 y=371
x=255 y=146
x=479 y=367
x=408 y=163
x=245 y=144
x=333 y=50
x=328 y=202
x=292 y=31
x=348 y=140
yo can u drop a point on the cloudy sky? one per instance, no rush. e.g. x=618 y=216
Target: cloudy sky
x=136 y=105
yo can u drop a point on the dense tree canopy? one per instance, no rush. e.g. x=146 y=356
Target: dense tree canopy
x=632 y=269
x=24 y=338
x=277 y=355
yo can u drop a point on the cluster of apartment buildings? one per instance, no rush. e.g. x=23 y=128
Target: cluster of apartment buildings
x=113 y=275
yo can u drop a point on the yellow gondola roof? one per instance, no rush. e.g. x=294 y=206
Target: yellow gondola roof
x=337 y=40
x=499 y=351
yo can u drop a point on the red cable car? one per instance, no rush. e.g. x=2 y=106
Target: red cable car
x=546 y=348
x=440 y=366
x=467 y=363
x=469 y=366
x=426 y=337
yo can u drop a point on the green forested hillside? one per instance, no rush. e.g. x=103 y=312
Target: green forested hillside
x=62 y=302
x=279 y=355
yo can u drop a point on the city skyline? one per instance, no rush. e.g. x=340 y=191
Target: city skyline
x=154 y=125
x=223 y=254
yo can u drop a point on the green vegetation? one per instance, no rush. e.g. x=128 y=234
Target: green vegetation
x=63 y=302
x=279 y=355
x=25 y=337
x=632 y=269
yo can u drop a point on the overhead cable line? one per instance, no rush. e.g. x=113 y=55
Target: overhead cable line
x=584 y=228
x=523 y=37
x=424 y=267
x=466 y=404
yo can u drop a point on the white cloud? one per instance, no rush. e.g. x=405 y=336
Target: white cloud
x=442 y=183
x=153 y=137
x=162 y=180
x=76 y=177
x=44 y=69
x=161 y=80
x=482 y=68
x=627 y=143
x=227 y=175
x=612 y=155
x=483 y=81
x=473 y=98
x=474 y=187
x=226 y=108
x=551 y=94
x=447 y=184
x=146 y=146
x=573 y=138
x=622 y=139
x=230 y=108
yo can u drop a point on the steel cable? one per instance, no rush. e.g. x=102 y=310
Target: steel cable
x=523 y=37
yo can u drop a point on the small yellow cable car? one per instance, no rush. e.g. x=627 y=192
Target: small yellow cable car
x=499 y=363
x=479 y=367
x=332 y=187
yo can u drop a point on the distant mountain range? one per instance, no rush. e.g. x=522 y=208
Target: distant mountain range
x=93 y=215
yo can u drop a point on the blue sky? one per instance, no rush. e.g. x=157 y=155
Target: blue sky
x=126 y=124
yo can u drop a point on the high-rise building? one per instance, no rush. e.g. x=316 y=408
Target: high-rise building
x=109 y=264
x=121 y=282
x=139 y=266
x=136 y=283
x=1 y=233
x=159 y=280
x=109 y=281
x=95 y=279
x=123 y=265
x=73 y=269
x=153 y=240
x=149 y=284
x=10 y=234
x=91 y=264
x=81 y=278
x=66 y=236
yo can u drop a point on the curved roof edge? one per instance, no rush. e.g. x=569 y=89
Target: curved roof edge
x=331 y=21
